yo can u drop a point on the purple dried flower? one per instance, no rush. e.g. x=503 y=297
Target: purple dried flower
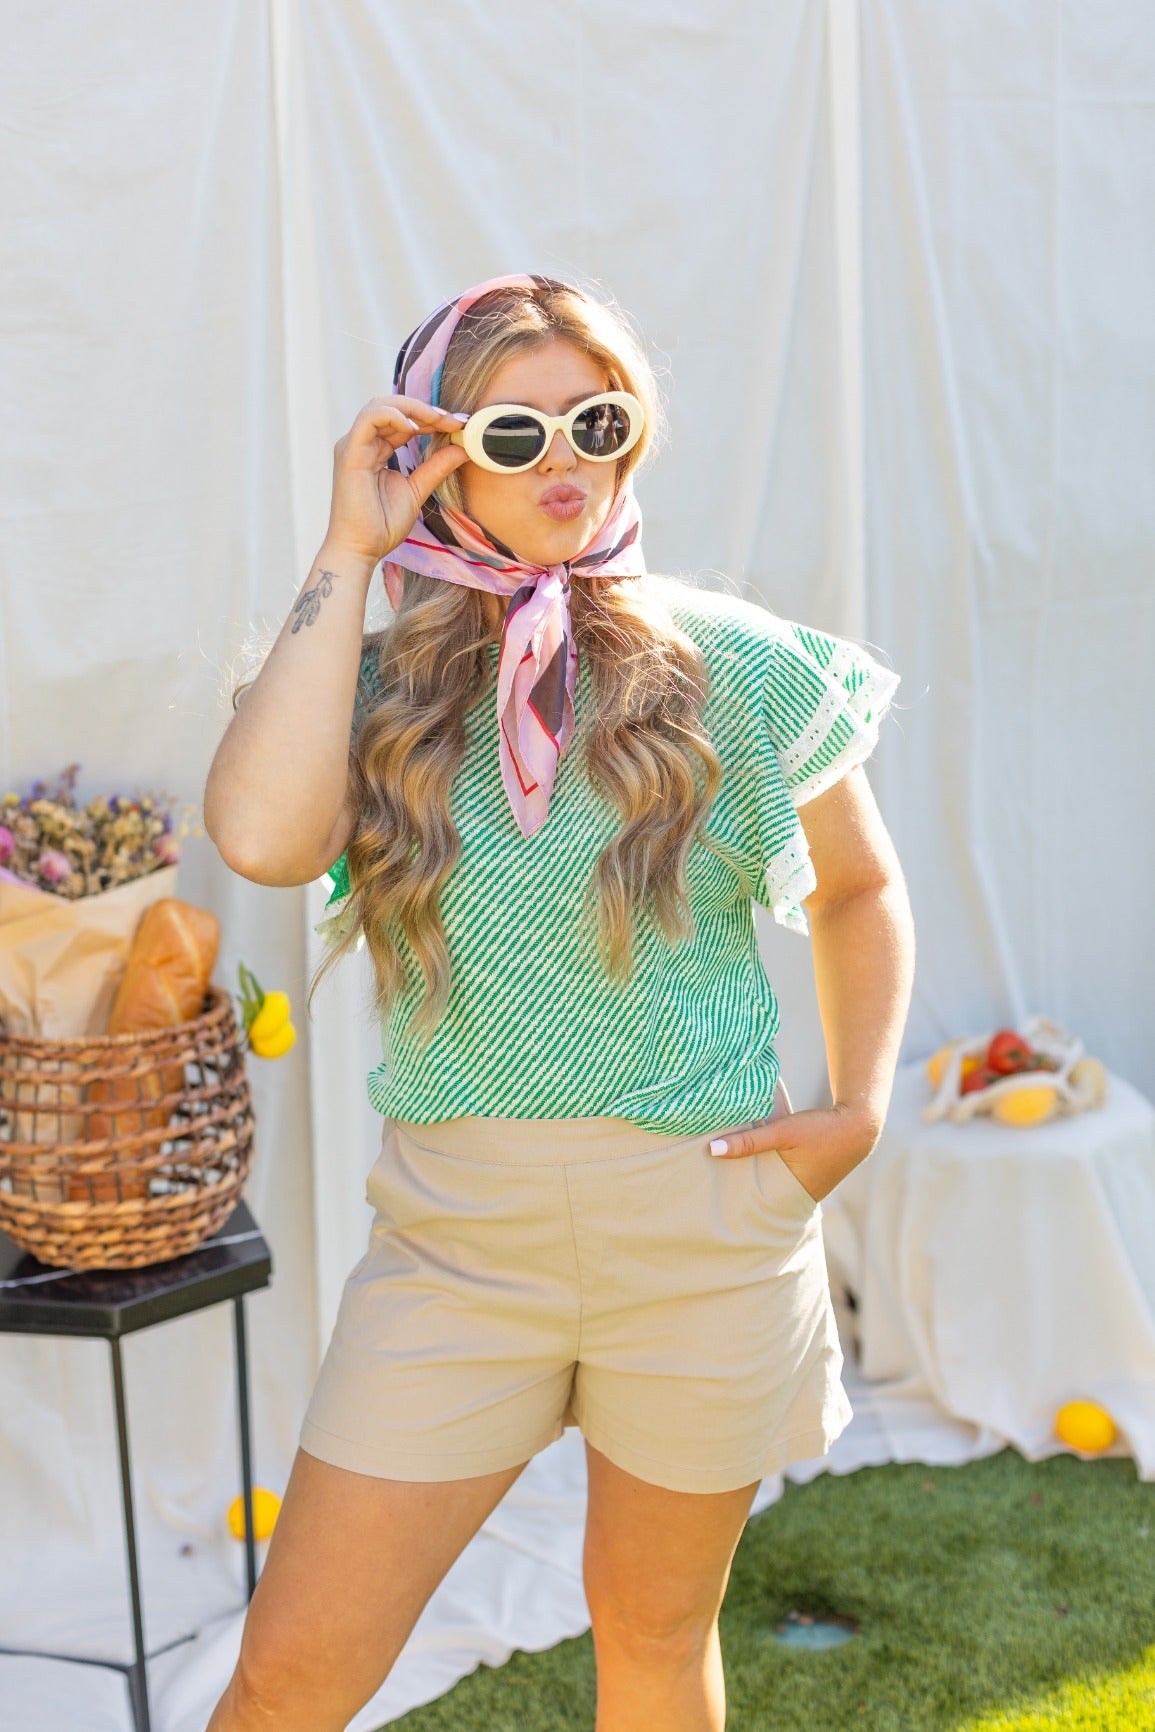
x=53 y=866
x=7 y=844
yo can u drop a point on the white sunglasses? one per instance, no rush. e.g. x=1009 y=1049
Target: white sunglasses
x=507 y=437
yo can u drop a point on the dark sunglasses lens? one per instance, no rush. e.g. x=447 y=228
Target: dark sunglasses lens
x=602 y=429
x=513 y=440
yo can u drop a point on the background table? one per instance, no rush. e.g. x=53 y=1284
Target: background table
x=38 y=1300
x=1007 y=1270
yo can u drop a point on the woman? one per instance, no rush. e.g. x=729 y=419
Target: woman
x=565 y=781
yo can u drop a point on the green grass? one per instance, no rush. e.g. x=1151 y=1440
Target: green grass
x=1002 y=1596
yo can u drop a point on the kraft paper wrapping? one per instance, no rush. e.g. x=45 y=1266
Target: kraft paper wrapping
x=61 y=962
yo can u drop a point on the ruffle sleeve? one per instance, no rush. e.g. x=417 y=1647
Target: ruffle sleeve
x=340 y=915
x=824 y=698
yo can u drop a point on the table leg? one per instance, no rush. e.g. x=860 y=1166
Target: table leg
x=136 y=1674
x=246 y=1450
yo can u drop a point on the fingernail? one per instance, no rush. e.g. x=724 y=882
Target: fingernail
x=413 y=424
x=718 y=1146
x=457 y=415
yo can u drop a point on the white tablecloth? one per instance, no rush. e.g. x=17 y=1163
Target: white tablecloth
x=1002 y=1271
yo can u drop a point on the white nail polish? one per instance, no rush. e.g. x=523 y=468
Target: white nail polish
x=718 y=1146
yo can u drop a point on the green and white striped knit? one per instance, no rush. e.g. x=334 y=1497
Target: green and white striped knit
x=535 y=1028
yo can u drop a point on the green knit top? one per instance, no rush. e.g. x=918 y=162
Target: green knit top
x=535 y=1028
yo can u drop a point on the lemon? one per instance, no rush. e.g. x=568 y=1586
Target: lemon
x=1025 y=1106
x=937 y=1063
x=1085 y=1425
x=266 y=1509
x=277 y=1044
x=273 y=1014
x=1090 y=1074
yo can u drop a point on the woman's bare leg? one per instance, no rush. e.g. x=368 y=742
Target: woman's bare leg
x=351 y=1562
x=656 y=1567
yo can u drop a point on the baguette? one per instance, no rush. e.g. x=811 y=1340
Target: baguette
x=167 y=973
x=166 y=976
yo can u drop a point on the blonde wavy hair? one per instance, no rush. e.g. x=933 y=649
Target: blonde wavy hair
x=648 y=749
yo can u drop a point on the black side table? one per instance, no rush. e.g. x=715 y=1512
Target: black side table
x=38 y=1300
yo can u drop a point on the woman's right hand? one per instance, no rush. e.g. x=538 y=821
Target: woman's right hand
x=374 y=508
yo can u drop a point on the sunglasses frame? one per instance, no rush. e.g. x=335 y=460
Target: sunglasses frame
x=471 y=434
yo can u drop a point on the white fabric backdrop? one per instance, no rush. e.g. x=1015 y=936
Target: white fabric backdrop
x=908 y=358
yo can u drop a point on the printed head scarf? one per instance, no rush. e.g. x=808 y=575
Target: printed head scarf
x=537 y=666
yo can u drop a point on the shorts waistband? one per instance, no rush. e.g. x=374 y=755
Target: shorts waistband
x=550 y=1142
x=538 y=1142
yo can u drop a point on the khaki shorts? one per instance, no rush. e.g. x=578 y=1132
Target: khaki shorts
x=526 y=1274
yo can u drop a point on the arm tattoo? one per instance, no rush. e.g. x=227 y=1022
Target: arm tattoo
x=308 y=605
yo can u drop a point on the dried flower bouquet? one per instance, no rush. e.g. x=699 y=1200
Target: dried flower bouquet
x=48 y=841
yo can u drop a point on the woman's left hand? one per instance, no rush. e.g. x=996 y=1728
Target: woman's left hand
x=820 y=1145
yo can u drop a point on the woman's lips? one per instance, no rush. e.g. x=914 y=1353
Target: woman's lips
x=563 y=503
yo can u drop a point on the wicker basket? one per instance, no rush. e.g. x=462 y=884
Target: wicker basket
x=87 y=1182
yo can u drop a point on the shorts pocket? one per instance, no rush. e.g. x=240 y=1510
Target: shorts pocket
x=375 y=1192
x=783 y=1176
x=777 y=1183
x=381 y=1179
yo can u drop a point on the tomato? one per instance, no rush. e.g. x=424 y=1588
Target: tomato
x=978 y=1079
x=1008 y=1052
